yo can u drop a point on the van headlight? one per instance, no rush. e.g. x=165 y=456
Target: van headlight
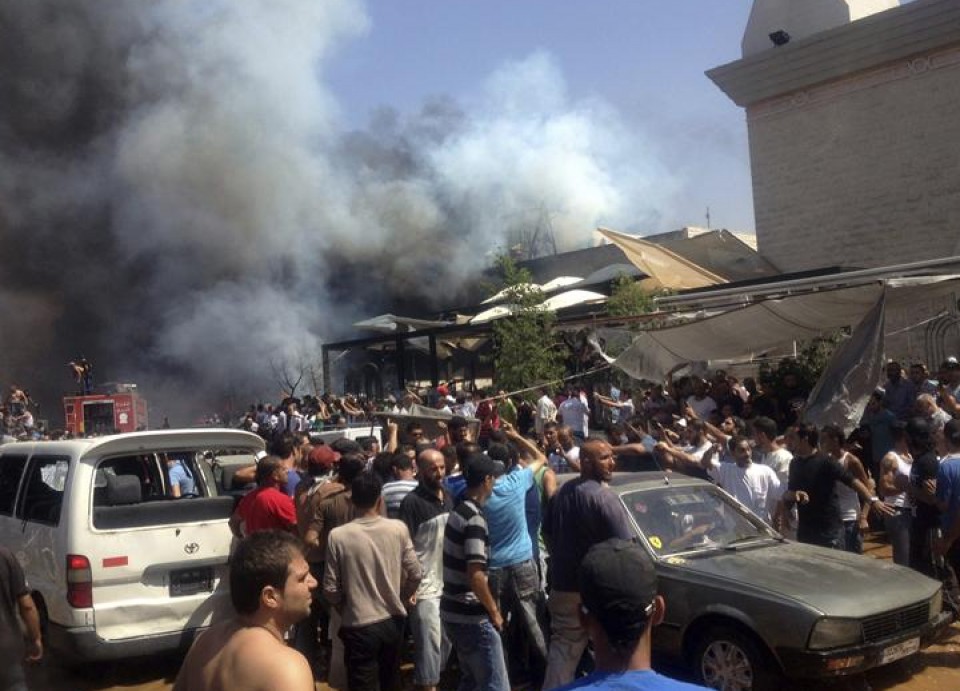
x=936 y=605
x=835 y=633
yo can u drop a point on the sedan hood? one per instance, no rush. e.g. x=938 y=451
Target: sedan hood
x=836 y=583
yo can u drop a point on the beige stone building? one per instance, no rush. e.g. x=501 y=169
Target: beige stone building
x=854 y=128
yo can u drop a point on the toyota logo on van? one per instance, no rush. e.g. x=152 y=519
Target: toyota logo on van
x=191 y=548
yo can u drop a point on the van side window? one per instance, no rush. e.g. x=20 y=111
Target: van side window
x=42 y=495
x=11 y=470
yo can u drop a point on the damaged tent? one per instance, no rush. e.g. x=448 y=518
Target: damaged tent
x=745 y=332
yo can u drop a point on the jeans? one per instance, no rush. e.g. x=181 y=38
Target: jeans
x=480 y=653
x=568 y=639
x=852 y=539
x=516 y=588
x=431 y=647
x=897 y=527
x=921 y=548
x=372 y=655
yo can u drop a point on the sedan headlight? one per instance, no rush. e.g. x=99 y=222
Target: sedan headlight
x=835 y=633
x=936 y=605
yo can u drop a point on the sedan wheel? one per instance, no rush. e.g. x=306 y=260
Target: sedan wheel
x=728 y=660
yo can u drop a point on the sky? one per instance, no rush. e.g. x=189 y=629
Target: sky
x=645 y=60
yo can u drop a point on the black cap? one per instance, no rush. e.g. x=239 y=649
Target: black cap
x=478 y=467
x=618 y=583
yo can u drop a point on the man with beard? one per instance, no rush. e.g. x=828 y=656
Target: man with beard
x=583 y=513
x=425 y=511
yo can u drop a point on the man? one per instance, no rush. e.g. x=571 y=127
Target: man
x=315 y=487
x=574 y=413
x=854 y=516
x=702 y=404
x=618 y=589
x=546 y=412
x=767 y=451
x=182 y=483
x=926 y=407
x=878 y=421
x=513 y=575
x=900 y=392
x=921 y=489
x=920 y=377
x=425 y=511
x=812 y=487
x=687 y=457
x=467 y=608
x=370 y=574
x=755 y=486
x=16 y=600
x=403 y=482
x=565 y=458
x=286 y=447
x=270 y=588
x=948 y=498
x=268 y=507
x=582 y=513
x=622 y=406
x=328 y=508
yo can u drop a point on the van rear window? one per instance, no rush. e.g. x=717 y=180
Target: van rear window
x=42 y=495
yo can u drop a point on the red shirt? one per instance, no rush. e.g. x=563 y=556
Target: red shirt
x=267 y=508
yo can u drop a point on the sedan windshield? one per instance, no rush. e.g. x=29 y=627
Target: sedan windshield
x=676 y=520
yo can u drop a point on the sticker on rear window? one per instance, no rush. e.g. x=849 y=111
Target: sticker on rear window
x=655 y=542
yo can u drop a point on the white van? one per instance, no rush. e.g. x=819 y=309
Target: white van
x=119 y=567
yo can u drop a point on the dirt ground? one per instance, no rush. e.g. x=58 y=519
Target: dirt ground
x=936 y=668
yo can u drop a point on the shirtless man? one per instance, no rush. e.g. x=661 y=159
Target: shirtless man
x=270 y=587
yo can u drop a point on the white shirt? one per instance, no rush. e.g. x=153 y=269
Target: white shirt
x=779 y=460
x=546 y=412
x=574 y=413
x=755 y=486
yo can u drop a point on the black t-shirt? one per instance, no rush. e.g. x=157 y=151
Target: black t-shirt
x=925 y=467
x=421 y=505
x=13 y=586
x=821 y=522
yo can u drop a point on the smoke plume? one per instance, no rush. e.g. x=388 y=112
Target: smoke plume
x=182 y=202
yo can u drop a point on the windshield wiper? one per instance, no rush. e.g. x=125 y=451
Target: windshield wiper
x=740 y=541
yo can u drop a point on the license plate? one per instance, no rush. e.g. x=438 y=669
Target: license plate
x=191 y=581
x=900 y=650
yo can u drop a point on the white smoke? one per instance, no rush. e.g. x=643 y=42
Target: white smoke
x=188 y=199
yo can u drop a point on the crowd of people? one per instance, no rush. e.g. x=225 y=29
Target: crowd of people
x=465 y=545
x=468 y=543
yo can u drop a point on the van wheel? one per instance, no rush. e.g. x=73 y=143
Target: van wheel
x=728 y=659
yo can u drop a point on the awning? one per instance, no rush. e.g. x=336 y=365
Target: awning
x=666 y=268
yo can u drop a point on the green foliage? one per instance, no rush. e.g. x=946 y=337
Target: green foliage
x=628 y=298
x=525 y=351
x=812 y=358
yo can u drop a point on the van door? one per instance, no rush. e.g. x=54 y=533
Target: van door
x=158 y=563
x=39 y=510
x=11 y=473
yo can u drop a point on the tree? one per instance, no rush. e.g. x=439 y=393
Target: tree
x=628 y=298
x=526 y=352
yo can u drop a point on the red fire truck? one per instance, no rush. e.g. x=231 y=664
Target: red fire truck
x=123 y=411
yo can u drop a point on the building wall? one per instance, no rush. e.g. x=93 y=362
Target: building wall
x=861 y=171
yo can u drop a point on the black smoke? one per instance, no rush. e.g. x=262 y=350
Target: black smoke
x=182 y=203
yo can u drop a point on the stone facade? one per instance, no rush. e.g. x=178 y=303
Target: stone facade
x=856 y=161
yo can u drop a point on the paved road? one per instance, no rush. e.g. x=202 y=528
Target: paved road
x=936 y=668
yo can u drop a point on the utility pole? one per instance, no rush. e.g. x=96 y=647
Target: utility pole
x=708 y=218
